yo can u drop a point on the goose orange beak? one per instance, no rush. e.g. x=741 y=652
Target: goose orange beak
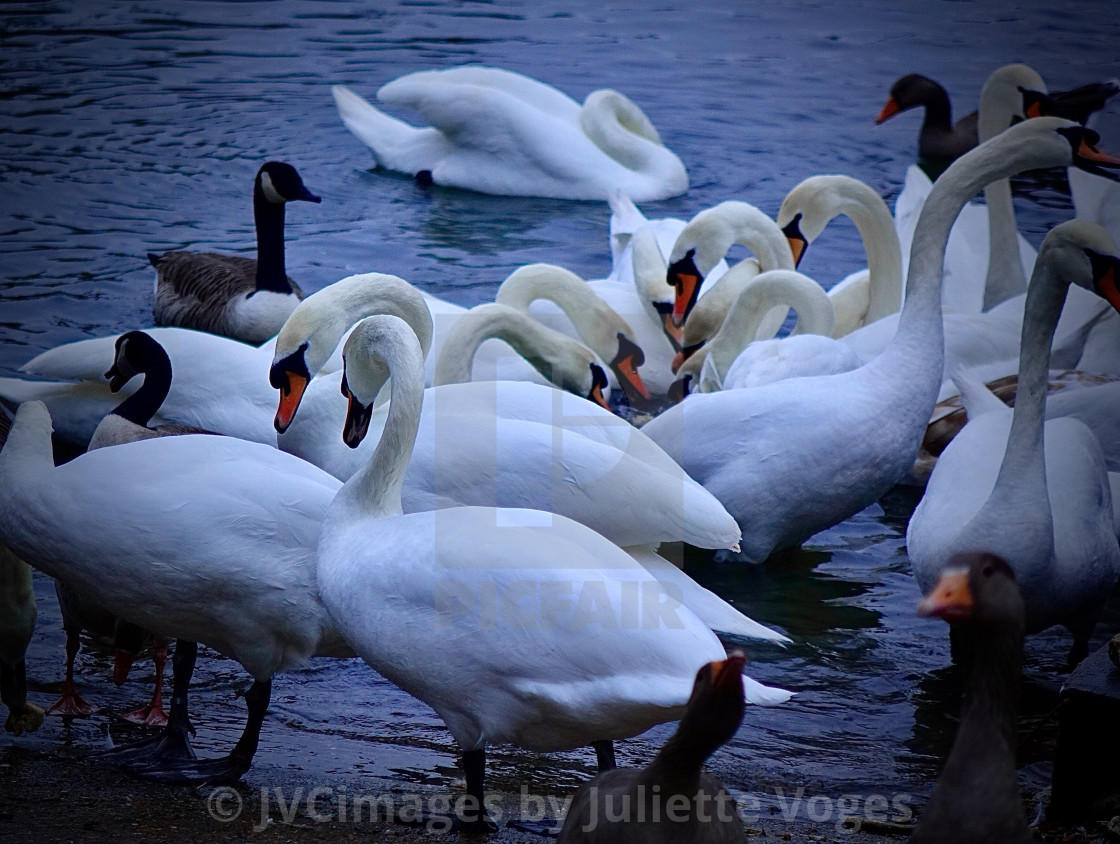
x=728 y=673
x=950 y=599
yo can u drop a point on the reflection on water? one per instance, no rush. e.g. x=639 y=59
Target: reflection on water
x=138 y=127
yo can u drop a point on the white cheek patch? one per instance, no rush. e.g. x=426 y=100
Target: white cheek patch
x=269 y=191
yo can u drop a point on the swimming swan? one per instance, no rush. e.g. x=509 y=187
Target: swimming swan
x=500 y=132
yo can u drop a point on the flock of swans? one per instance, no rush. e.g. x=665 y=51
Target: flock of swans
x=370 y=470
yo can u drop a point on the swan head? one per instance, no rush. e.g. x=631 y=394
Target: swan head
x=312 y=332
x=376 y=346
x=278 y=182
x=134 y=352
x=1083 y=252
x=625 y=365
x=685 y=277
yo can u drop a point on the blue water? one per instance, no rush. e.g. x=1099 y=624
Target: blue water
x=138 y=127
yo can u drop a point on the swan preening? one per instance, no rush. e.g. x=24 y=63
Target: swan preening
x=499 y=132
x=236 y=297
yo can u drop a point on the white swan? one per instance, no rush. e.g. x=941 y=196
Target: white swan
x=220 y=385
x=865 y=295
x=704 y=242
x=18 y=612
x=236 y=297
x=1032 y=490
x=552 y=665
x=734 y=359
x=559 y=359
x=594 y=322
x=499 y=132
x=199 y=538
x=792 y=458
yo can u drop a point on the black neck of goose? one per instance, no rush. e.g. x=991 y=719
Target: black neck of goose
x=269 y=218
x=676 y=768
x=141 y=406
x=939 y=112
x=991 y=698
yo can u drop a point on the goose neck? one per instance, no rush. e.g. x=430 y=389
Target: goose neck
x=141 y=406
x=269 y=219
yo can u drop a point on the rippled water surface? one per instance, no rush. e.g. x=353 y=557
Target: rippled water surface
x=136 y=127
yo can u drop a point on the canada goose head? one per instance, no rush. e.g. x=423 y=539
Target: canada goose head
x=134 y=353
x=278 y=182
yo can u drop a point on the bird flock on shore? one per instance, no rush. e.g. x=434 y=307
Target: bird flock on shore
x=471 y=500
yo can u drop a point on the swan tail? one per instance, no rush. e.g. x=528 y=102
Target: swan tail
x=975 y=395
x=760 y=695
x=82 y=360
x=391 y=140
x=29 y=440
x=16 y=391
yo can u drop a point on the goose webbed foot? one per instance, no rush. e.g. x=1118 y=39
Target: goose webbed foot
x=70 y=704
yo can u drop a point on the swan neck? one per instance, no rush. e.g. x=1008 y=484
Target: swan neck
x=761 y=295
x=1022 y=474
x=919 y=342
x=597 y=324
x=1005 y=270
x=622 y=131
x=376 y=487
x=546 y=350
x=876 y=229
x=269 y=219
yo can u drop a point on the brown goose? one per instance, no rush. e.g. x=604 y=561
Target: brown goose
x=940 y=141
x=977 y=797
x=671 y=799
x=236 y=297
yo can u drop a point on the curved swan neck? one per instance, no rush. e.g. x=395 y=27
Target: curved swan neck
x=550 y=352
x=375 y=489
x=621 y=130
x=323 y=318
x=777 y=288
x=864 y=207
x=597 y=323
x=1000 y=102
x=269 y=219
x=28 y=441
x=918 y=344
x=712 y=232
x=1022 y=476
x=711 y=310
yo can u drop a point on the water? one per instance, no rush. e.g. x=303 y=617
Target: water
x=138 y=127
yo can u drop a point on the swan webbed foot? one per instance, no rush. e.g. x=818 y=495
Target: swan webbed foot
x=225 y=770
x=173 y=745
